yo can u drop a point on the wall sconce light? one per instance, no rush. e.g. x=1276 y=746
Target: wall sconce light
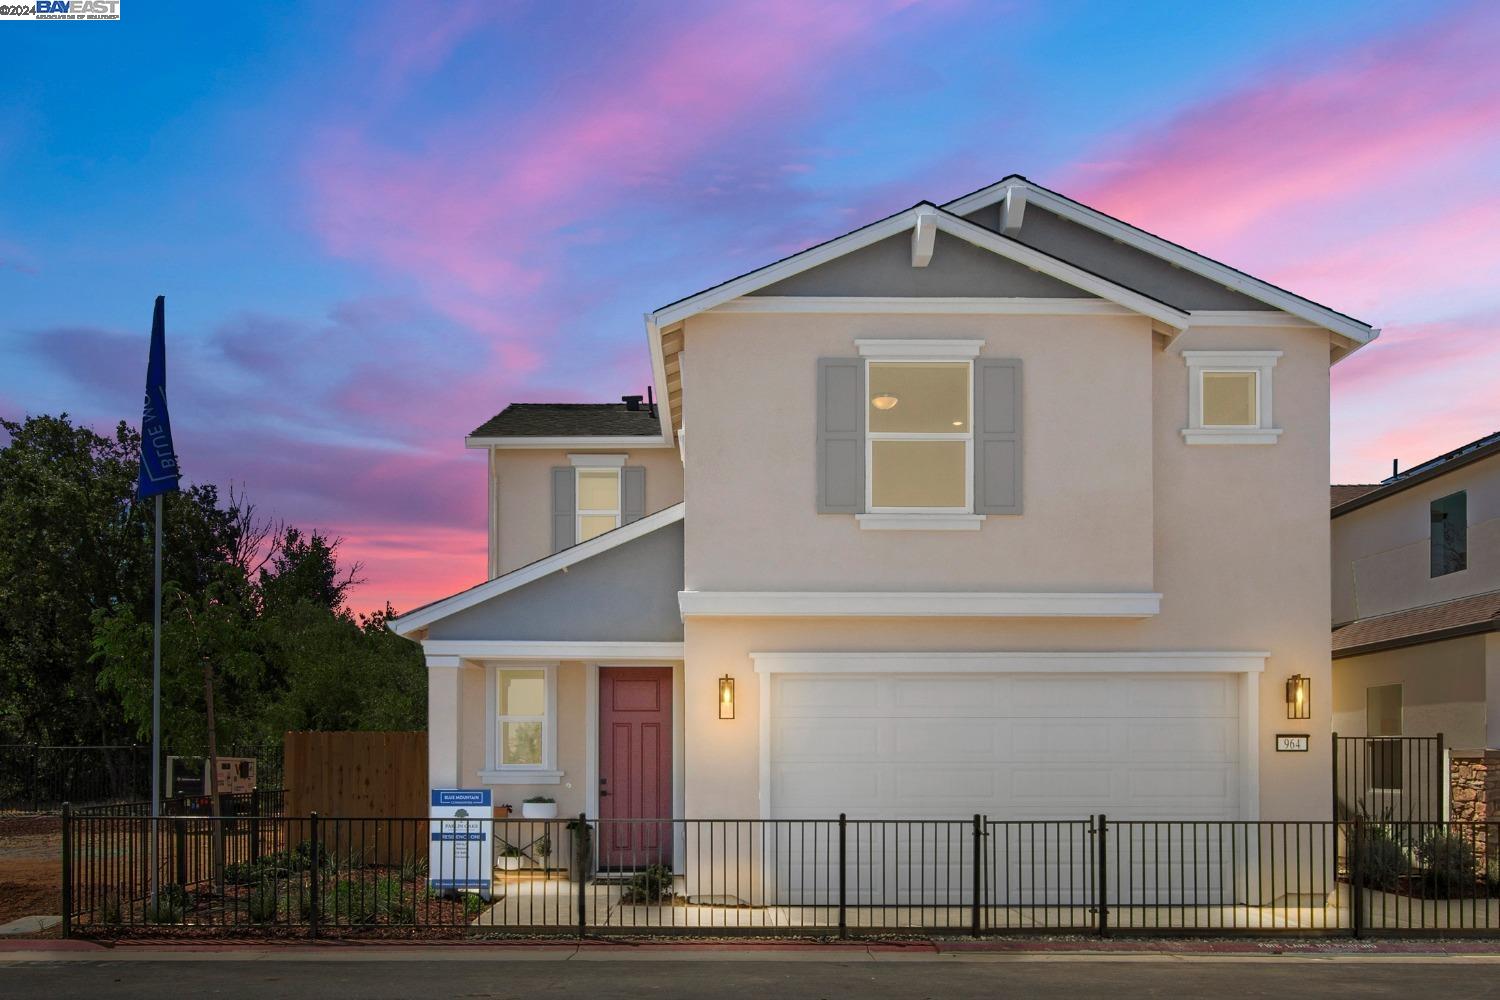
x=726 y=697
x=1298 y=697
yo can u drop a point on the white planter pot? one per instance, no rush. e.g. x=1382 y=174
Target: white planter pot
x=510 y=864
x=539 y=810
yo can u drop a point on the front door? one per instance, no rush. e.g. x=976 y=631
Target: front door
x=635 y=767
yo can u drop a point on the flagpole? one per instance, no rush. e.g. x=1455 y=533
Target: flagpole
x=156 y=712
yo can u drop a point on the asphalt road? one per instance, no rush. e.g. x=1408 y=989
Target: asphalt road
x=745 y=977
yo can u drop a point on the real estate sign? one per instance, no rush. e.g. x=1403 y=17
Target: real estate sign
x=462 y=825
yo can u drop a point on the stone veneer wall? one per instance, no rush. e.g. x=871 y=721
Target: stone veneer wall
x=1474 y=792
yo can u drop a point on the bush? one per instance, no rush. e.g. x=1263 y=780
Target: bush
x=1450 y=862
x=654 y=885
x=413 y=868
x=170 y=906
x=1382 y=858
x=264 y=902
x=351 y=902
x=242 y=873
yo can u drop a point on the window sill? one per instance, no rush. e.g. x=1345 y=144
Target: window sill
x=1230 y=435
x=920 y=522
x=517 y=776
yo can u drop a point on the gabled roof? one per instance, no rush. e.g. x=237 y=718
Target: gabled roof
x=1433 y=623
x=1451 y=461
x=569 y=419
x=1289 y=302
x=421 y=618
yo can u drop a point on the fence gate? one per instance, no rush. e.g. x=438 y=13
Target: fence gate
x=1389 y=779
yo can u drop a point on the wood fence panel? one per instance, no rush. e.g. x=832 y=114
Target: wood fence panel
x=367 y=778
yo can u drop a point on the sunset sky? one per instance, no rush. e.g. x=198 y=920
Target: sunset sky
x=377 y=224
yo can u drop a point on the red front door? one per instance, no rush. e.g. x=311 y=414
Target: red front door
x=635 y=767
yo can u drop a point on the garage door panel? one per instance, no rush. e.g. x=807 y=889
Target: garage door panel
x=1178 y=695
x=944 y=790
x=1177 y=784
x=800 y=787
x=828 y=739
x=1054 y=739
x=824 y=697
x=955 y=696
x=1181 y=739
x=1035 y=784
x=948 y=739
x=1068 y=696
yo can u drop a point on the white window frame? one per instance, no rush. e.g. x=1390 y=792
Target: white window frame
x=967 y=437
x=580 y=511
x=497 y=773
x=1258 y=363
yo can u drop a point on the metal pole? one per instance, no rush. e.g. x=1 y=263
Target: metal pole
x=156 y=710
x=1102 y=868
x=843 y=867
x=67 y=869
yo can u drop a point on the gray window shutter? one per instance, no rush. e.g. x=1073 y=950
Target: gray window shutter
x=564 y=508
x=997 y=436
x=632 y=493
x=841 y=435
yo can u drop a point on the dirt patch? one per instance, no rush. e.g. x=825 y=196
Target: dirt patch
x=30 y=866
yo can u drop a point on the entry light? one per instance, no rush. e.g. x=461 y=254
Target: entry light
x=1298 y=697
x=885 y=401
x=726 y=697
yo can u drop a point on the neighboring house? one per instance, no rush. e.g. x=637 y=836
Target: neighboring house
x=1416 y=601
x=1001 y=506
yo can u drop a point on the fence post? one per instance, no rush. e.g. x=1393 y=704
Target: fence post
x=1335 y=760
x=255 y=814
x=1445 y=780
x=36 y=783
x=978 y=852
x=67 y=869
x=1102 y=845
x=843 y=858
x=1356 y=880
x=315 y=866
x=583 y=873
x=179 y=847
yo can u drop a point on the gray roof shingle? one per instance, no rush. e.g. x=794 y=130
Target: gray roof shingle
x=570 y=420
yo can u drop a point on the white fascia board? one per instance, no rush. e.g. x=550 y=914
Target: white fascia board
x=1012 y=210
x=923 y=238
x=795 y=264
x=1131 y=662
x=472 y=649
x=600 y=441
x=438 y=610
x=938 y=604
x=1320 y=316
x=925 y=305
x=1019 y=252
x=659 y=379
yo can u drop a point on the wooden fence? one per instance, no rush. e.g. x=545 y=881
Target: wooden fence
x=376 y=775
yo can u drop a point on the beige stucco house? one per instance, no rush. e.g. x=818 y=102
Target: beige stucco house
x=1416 y=608
x=999 y=506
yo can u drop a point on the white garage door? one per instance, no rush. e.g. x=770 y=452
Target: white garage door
x=1010 y=746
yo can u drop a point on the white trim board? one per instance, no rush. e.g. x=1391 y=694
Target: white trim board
x=455 y=650
x=939 y=604
x=1112 y=662
x=424 y=616
x=1180 y=256
x=581 y=441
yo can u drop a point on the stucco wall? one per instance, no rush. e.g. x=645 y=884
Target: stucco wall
x=523 y=491
x=750 y=417
x=1443 y=690
x=1380 y=553
x=1236 y=538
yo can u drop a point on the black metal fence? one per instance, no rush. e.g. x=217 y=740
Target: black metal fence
x=1389 y=778
x=36 y=778
x=312 y=876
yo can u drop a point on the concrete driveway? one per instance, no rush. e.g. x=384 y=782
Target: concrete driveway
x=480 y=973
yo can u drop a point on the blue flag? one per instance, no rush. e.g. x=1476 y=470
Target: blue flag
x=159 y=471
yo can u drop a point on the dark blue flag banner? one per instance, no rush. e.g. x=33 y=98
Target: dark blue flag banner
x=159 y=471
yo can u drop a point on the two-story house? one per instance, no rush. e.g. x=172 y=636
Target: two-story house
x=1416 y=608
x=999 y=506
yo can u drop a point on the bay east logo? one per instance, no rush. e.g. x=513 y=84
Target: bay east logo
x=61 y=10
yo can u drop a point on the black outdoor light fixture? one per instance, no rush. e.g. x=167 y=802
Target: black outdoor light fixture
x=726 y=697
x=1298 y=697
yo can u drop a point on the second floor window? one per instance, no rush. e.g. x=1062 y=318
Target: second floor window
x=598 y=502
x=1449 y=540
x=919 y=440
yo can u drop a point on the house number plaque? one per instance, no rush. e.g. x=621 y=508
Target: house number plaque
x=1291 y=743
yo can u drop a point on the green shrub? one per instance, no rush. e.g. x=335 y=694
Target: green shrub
x=110 y=909
x=1382 y=858
x=265 y=901
x=350 y=902
x=1449 y=860
x=242 y=873
x=171 y=905
x=654 y=885
x=413 y=868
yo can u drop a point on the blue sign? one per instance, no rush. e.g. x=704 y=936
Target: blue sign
x=159 y=470
x=461 y=796
x=458 y=835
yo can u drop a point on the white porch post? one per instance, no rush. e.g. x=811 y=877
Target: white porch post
x=444 y=721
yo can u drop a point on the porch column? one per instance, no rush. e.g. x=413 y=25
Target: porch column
x=444 y=721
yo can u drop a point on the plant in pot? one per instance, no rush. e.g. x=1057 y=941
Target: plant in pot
x=539 y=807
x=510 y=858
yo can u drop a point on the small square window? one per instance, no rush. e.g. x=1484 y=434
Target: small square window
x=1448 y=542
x=1229 y=399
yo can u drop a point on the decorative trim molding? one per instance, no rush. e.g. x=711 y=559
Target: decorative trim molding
x=923 y=305
x=906 y=349
x=1261 y=364
x=1230 y=435
x=615 y=461
x=437 y=610
x=601 y=441
x=1112 y=662
x=941 y=604
x=1231 y=359
x=516 y=776
x=1251 y=318
x=512 y=649
x=920 y=522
